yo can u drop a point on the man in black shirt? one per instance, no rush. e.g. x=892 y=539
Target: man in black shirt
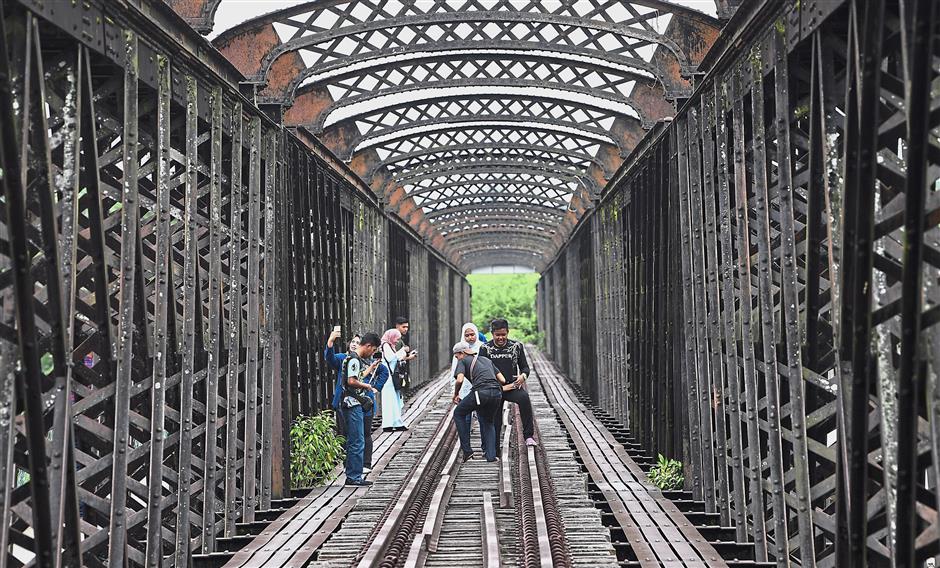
x=509 y=357
x=485 y=399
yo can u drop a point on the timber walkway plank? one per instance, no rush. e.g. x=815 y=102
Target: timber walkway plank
x=656 y=529
x=294 y=537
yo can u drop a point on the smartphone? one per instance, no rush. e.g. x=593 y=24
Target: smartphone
x=337 y=328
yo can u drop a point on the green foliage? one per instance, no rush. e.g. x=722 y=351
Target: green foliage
x=507 y=296
x=315 y=449
x=667 y=474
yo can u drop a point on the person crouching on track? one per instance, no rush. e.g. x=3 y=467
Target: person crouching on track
x=509 y=357
x=485 y=398
x=356 y=402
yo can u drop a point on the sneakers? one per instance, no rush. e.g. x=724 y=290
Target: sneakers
x=400 y=428
x=367 y=470
x=388 y=429
x=359 y=483
x=494 y=460
x=531 y=442
x=468 y=457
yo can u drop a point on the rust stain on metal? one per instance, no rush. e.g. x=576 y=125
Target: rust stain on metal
x=650 y=96
x=306 y=107
x=247 y=49
x=189 y=9
x=280 y=74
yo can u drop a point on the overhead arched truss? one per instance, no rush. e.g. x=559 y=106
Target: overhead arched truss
x=440 y=112
x=474 y=154
x=561 y=148
x=466 y=108
x=483 y=210
x=490 y=70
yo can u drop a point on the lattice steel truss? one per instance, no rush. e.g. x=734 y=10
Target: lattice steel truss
x=771 y=264
x=412 y=91
x=171 y=260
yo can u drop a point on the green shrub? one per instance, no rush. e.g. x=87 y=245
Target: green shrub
x=667 y=474
x=315 y=449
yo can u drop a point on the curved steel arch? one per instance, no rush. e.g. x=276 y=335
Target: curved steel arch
x=456 y=236
x=455 y=186
x=500 y=167
x=510 y=19
x=515 y=197
x=211 y=6
x=515 y=258
x=461 y=224
x=540 y=249
x=480 y=153
x=431 y=111
x=320 y=123
x=466 y=135
x=434 y=67
x=439 y=215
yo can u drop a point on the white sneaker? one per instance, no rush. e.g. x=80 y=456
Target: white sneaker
x=531 y=442
x=367 y=470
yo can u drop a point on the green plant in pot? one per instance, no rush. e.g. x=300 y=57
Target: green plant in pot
x=667 y=474
x=316 y=449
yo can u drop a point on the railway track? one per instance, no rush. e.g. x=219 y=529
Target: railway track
x=409 y=530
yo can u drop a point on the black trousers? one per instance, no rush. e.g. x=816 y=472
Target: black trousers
x=520 y=397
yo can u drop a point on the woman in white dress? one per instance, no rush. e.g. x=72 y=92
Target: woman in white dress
x=391 y=398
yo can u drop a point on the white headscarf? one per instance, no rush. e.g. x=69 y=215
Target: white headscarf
x=475 y=348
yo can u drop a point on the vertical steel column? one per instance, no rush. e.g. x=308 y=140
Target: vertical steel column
x=216 y=308
x=745 y=307
x=699 y=305
x=765 y=295
x=117 y=528
x=269 y=426
x=689 y=376
x=162 y=260
x=790 y=302
x=920 y=41
x=234 y=325
x=728 y=323
x=249 y=472
x=716 y=315
x=861 y=162
x=191 y=311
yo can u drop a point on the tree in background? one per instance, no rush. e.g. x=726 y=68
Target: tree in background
x=507 y=296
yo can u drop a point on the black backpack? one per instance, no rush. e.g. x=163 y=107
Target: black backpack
x=364 y=400
x=400 y=374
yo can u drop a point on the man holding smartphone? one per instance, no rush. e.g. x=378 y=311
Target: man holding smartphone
x=356 y=368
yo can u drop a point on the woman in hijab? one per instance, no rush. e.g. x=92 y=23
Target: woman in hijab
x=391 y=398
x=470 y=334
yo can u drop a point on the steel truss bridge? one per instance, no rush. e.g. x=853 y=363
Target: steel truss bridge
x=736 y=218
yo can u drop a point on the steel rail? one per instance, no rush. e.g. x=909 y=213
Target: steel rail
x=389 y=538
